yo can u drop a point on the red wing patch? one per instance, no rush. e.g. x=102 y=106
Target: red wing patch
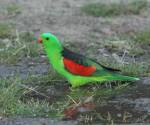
x=78 y=69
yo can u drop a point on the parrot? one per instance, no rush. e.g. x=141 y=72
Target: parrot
x=78 y=69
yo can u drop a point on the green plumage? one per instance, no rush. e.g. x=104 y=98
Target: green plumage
x=56 y=53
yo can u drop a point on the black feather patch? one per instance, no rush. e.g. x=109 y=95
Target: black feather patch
x=107 y=68
x=83 y=60
x=111 y=69
x=80 y=59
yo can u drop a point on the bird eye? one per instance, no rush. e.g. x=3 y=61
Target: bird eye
x=47 y=38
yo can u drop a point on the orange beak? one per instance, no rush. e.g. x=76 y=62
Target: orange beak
x=39 y=40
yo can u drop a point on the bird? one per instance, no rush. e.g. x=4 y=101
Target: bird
x=78 y=69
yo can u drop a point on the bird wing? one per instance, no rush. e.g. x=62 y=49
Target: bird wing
x=81 y=65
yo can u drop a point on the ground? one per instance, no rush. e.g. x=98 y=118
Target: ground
x=118 y=37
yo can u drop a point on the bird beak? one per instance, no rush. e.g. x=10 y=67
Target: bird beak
x=39 y=40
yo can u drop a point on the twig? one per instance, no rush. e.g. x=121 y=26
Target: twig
x=18 y=50
x=29 y=88
x=122 y=59
x=17 y=37
x=73 y=100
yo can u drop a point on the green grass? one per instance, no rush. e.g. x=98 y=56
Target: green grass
x=114 y=9
x=137 y=69
x=132 y=68
x=17 y=100
x=13 y=9
x=5 y=30
x=142 y=37
x=126 y=43
x=19 y=47
x=12 y=102
x=32 y=48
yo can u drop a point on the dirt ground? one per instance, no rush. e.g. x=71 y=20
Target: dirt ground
x=65 y=19
x=29 y=121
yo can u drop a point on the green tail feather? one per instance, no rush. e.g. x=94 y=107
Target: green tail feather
x=126 y=78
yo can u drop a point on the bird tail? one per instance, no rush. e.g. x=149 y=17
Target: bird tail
x=122 y=77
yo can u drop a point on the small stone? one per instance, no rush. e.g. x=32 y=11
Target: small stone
x=146 y=81
x=119 y=115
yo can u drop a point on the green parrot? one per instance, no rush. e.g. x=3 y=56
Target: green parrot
x=78 y=69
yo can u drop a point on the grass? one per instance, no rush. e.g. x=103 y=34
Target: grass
x=137 y=69
x=16 y=98
x=114 y=9
x=142 y=37
x=10 y=10
x=27 y=39
x=13 y=9
x=125 y=43
x=13 y=104
x=5 y=30
x=18 y=47
x=132 y=68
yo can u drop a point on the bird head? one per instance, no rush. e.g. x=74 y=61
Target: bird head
x=49 y=41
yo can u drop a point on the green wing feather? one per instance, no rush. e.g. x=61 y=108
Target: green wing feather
x=85 y=61
x=101 y=70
